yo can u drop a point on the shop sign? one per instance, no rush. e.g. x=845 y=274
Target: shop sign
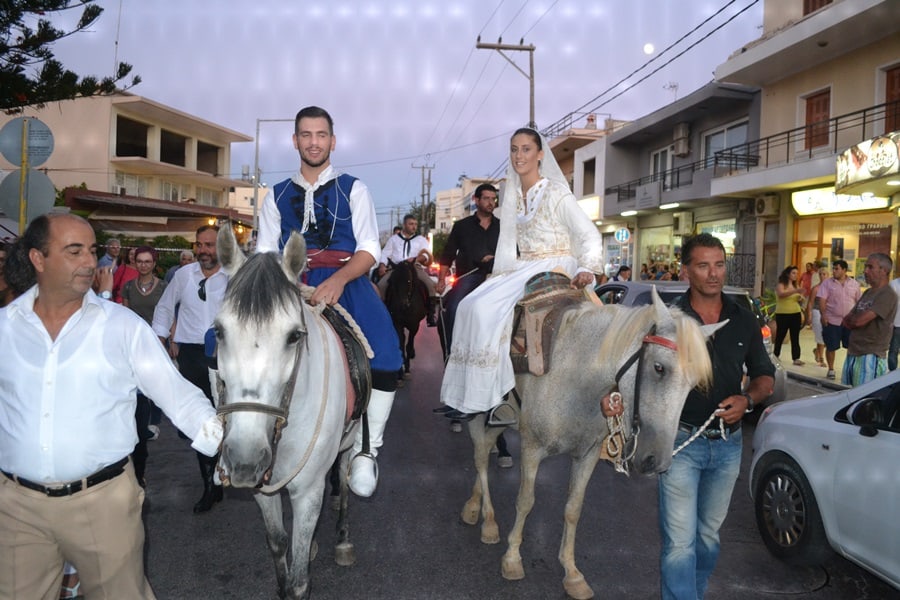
x=867 y=161
x=825 y=200
x=623 y=235
x=647 y=196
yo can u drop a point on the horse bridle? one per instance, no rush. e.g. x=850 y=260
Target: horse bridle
x=638 y=357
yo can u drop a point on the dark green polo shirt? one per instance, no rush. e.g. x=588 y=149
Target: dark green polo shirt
x=735 y=345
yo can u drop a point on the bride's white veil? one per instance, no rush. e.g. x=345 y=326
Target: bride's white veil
x=505 y=257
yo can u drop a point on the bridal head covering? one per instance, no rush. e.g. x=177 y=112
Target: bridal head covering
x=505 y=257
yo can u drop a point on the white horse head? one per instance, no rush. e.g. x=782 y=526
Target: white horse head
x=262 y=331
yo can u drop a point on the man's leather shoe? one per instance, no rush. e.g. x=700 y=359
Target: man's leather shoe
x=211 y=495
x=442 y=409
x=459 y=416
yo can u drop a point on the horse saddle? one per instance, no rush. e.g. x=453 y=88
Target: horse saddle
x=358 y=370
x=536 y=320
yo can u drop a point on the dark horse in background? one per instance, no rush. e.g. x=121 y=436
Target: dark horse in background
x=406 y=299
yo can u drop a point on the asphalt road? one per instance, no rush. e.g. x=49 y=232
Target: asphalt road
x=411 y=544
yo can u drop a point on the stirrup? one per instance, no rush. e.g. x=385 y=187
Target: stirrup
x=502 y=415
x=363 y=493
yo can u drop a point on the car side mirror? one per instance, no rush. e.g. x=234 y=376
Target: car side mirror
x=868 y=431
x=866 y=413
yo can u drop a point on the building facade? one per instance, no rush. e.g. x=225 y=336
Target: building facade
x=141 y=158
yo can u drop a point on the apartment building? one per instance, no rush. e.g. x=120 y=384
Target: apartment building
x=829 y=74
x=138 y=167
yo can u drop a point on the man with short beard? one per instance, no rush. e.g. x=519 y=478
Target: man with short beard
x=336 y=216
x=198 y=289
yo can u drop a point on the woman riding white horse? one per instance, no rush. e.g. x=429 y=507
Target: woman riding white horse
x=540 y=217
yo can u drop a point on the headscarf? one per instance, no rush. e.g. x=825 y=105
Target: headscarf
x=505 y=257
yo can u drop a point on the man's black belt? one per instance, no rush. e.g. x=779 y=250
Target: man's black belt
x=710 y=433
x=73 y=487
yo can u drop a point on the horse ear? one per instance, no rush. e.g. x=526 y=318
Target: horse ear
x=294 y=260
x=710 y=329
x=230 y=254
x=662 y=311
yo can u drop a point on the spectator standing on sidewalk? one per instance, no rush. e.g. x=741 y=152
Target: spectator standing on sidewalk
x=814 y=318
x=836 y=297
x=895 y=338
x=788 y=312
x=871 y=324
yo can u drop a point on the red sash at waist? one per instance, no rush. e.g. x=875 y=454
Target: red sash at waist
x=328 y=258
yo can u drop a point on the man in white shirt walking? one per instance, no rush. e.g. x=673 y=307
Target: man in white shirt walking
x=71 y=366
x=408 y=245
x=198 y=289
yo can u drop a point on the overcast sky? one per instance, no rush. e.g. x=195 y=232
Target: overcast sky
x=402 y=78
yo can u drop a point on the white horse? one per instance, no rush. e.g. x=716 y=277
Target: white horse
x=652 y=355
x=284 y=402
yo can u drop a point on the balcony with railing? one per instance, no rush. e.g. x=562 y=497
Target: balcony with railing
x=815 y=140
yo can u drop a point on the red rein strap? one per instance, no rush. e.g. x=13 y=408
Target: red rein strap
x=661 y=341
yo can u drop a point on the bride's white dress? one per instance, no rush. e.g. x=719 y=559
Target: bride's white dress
x=553 y=233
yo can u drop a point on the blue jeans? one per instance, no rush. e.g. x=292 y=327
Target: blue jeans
x=694 y=495
x=894 y=349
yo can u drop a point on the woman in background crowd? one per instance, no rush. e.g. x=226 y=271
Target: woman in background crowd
x=788 y=312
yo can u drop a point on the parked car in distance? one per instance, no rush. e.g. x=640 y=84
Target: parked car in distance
x=637 y=293
x=824 y=476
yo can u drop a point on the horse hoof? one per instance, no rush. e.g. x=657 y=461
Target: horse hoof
x=344 y=555
x=511 y=568
x=578 y=588
x=470 y=513
x=490 y=533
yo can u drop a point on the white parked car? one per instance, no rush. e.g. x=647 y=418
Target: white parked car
x=826 y=475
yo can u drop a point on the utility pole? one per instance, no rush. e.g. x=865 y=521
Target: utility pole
x=425 y=171
x=520 y=47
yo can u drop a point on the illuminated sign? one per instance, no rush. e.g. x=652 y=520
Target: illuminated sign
x=824 y=200
x=867 y=161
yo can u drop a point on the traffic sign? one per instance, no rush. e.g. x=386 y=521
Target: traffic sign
x=39 y=141
x=623 y=235
x=39 y=195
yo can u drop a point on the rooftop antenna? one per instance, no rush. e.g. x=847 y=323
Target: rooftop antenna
x=118 y=28
x=672 y=86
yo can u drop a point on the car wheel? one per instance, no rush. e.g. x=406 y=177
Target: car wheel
x=787 y=515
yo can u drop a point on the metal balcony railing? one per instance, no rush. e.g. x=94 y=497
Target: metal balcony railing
x=801 y=144
x=778 y=149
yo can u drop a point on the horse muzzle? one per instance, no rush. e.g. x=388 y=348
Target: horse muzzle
x=241 y=471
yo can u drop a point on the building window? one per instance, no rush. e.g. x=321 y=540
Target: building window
x=660 y=163
x=131 y=137
x=207 y=197
x=810 y=6
x=818 y=111
x=174 y=192
x=171 y=148
x=892 y=95
x=590 y=169
x=729 y=136
x=208 y=158
x=130 y=184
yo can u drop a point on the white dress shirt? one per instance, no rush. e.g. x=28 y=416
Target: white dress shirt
x=67 y=405
x=397 y=249
x=362 y=209
x=195 y=316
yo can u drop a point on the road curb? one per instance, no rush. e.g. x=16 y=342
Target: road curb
x=825 y=383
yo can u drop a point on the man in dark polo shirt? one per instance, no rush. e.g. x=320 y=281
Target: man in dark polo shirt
x=709 y=465
x=471 y=245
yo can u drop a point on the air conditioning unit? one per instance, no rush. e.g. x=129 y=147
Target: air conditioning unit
x=682 y=130
x=683 y=223
x=766 y=205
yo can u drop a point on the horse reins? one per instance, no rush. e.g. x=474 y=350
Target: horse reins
x=636 y=357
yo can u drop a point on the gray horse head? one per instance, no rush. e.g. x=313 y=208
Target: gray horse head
x=261 y=332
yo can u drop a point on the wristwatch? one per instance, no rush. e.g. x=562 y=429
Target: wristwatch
x=106 y=295
x=749 y=403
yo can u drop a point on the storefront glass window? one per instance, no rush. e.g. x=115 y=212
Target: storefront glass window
x=722 y=229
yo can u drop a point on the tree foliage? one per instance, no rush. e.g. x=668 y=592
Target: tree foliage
x=30 y=75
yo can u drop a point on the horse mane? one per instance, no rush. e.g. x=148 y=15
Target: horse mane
x=633 y=323
x=260 y=288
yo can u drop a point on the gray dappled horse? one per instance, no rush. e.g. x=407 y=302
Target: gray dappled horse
x=598 y=349
x=284 y=389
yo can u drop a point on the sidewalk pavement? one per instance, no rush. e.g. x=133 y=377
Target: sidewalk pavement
x=809 y=371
